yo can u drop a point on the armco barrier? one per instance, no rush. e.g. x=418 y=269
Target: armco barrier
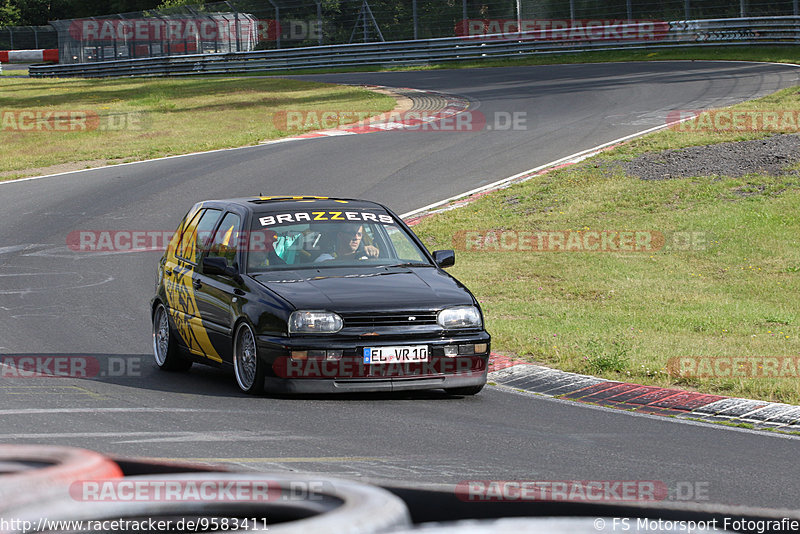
x=673 y=34
x=29 y=471
x=29 y=56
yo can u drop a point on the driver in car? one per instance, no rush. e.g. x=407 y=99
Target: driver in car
x=349 y=246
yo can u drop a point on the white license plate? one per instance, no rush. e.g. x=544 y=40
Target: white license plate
x=404 y=354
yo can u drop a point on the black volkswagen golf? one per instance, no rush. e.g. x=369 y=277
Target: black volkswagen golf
x=315 y=295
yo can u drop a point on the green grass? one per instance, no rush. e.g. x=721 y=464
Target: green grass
x=693 y=132
x=747 y=426
x=161 y=117
x=624 y=315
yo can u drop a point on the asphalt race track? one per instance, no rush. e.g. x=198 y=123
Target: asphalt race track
x=54 y=301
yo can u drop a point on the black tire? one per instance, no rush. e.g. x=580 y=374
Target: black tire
x=465 y=391
x=165 y=347
x=247 y=366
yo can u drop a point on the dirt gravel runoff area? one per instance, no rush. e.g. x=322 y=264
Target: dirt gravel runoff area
x=771 y=156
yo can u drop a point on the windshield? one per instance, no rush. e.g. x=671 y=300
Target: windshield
x=362 y=239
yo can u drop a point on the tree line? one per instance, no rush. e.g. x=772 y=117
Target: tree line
x=39 y=12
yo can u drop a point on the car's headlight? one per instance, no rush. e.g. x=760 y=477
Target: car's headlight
x=314 y=322
x=459 y=317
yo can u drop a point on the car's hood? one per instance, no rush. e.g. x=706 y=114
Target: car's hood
x=363 y=289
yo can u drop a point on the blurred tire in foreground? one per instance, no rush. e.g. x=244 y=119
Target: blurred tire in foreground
x=219 y=502
x=30 y=472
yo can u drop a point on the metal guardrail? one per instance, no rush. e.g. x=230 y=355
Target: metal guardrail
x=716 y=32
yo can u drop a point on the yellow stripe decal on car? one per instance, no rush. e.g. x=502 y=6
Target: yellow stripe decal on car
x=181 y=302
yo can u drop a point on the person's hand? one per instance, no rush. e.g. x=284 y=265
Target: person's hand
x=371 y=251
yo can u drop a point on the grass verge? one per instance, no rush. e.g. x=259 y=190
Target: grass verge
x=136 y=118
x=731 y=293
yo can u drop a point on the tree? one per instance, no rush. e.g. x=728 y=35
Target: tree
x=9 y=14
x=166 y=4
x=40 y=12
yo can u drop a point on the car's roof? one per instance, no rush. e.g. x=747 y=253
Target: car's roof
x=282 y=203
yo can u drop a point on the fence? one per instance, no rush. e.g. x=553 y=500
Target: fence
x=475 y=42
x=28 y=37
x=154 y=35
x=245 y=25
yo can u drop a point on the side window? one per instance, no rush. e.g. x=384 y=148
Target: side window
x=226 y=239
x=405 y=248
x=197 y=236
x=369 y=235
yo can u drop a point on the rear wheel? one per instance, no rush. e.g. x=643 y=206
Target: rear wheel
x=465 y=391
x=165 y=347
x=247 y=367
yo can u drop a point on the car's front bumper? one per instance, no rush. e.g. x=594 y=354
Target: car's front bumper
x=351 y=374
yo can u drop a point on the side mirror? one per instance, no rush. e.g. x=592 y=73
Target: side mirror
x=444 y=258
x=218 y=266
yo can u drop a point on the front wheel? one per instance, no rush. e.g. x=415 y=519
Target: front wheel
x=465 y=391
x=165 y=347
x=247 y=367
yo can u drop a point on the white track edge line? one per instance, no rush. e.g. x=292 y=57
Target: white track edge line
x=31 y=178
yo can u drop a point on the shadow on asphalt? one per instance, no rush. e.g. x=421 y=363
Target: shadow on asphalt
x=140 y=371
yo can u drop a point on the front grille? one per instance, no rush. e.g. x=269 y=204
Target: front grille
x=376 y=320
